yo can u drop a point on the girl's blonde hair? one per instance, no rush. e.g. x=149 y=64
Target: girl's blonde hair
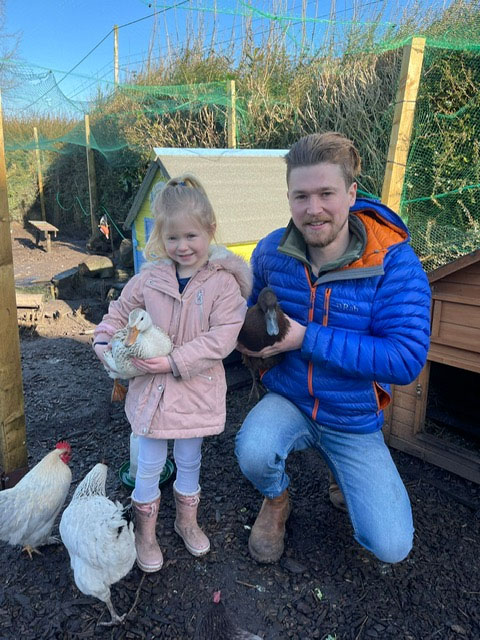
x=182 y=195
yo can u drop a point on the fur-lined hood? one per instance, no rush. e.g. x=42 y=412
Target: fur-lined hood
x=219 y=258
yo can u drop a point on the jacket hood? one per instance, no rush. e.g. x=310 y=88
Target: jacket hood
x=384 y=215
x=223 y=258
x=219 y=258
x=384 y=228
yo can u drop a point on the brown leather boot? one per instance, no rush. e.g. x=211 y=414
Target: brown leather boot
x=149 y=555
x=335 y=494
x=186 y=523
x=266 y=538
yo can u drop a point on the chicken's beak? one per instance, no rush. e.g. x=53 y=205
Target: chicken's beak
x=132 y=335
x=271 y=322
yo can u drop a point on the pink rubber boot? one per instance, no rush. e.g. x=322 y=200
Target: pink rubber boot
x=149 y=555
x=186 y=523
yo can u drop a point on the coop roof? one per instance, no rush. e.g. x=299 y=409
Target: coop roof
x=247 y=187
x=455 y=265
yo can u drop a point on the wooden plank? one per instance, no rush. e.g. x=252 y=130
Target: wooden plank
x=460 y=463
x=459 y=358
x=46 y=229
x=115 y=56
x=436 y=314
x=454 y=288
x=402 y=123
x=29 y=300
x=446 y=297
x=39 y=173
x=460 y=314
x=13 y=450
x=406 y=417
x=470 y=275
x=92 y=180
x=456 y=265
x=461 y=337
x=232 y=115
x=400 y=430
x=405 y=400
x=42 y=225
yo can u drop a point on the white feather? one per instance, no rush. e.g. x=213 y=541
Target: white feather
x=99 y=540
x=151 y=342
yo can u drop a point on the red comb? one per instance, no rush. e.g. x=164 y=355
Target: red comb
x=63 y=444
x=216 y=596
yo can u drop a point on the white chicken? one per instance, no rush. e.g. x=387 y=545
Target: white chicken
x=139 y=339
x=28 y=510
x=99 y=539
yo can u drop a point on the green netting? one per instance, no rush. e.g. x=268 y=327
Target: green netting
x=441 y=198
x=305 y=75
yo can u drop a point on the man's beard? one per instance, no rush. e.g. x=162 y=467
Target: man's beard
x=322 y=241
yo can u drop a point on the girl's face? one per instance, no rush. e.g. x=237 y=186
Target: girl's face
x=186 y=243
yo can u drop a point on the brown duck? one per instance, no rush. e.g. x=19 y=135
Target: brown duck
x=264 y=325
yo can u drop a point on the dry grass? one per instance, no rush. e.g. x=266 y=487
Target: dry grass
x=283 y=91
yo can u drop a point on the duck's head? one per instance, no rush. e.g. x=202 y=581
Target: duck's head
x=268 y=303
x=139 y=320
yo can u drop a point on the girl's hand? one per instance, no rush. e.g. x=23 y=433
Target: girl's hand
x=293 y=340
x=100 y=350
x=153 y=365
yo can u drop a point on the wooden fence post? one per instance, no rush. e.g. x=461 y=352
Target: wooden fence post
x=115 y=56
x=92 y=182
x=231 y=115
x=39 y=174
x=13 y=449
x=402 y=123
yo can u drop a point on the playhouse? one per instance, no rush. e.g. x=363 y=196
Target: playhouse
x=247 y=188
x=448 y=387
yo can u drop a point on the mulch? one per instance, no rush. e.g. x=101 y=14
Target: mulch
x=325 y=586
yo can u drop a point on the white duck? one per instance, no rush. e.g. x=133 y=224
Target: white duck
x=139 y=339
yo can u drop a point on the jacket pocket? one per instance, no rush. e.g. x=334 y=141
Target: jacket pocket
x=383 y=397
x=197 y=395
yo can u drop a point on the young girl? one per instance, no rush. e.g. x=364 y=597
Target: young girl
x=197 y=293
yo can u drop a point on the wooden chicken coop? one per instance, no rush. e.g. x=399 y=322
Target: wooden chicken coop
x=447 y=391
x=246 y=187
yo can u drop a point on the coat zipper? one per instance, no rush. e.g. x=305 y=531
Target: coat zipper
x=313 y=292
x=326 y=306
x=199 y=302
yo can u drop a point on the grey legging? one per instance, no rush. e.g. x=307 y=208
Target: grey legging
x=152 y=454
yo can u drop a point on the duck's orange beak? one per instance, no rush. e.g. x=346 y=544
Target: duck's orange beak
x=132 y=335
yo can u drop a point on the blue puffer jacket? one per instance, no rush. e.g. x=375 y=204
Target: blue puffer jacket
x=368 y=324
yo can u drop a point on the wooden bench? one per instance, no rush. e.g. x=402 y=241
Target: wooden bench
x=45 y=230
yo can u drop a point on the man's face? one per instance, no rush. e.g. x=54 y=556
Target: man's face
x=320 y=202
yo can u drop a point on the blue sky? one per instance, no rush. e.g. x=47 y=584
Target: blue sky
x=76 y=35
x=57 y=34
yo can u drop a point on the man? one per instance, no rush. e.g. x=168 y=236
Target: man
x=358 y=302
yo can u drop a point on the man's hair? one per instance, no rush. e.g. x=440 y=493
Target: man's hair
x=330 y=147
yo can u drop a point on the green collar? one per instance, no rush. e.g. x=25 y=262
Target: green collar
x=293 y=244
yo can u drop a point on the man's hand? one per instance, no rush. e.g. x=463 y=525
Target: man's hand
x=153 y=365
x=293 y=340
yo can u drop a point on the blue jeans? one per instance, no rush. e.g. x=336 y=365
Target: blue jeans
x=376 y=497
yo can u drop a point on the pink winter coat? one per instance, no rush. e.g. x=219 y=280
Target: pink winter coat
x=203 y=323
